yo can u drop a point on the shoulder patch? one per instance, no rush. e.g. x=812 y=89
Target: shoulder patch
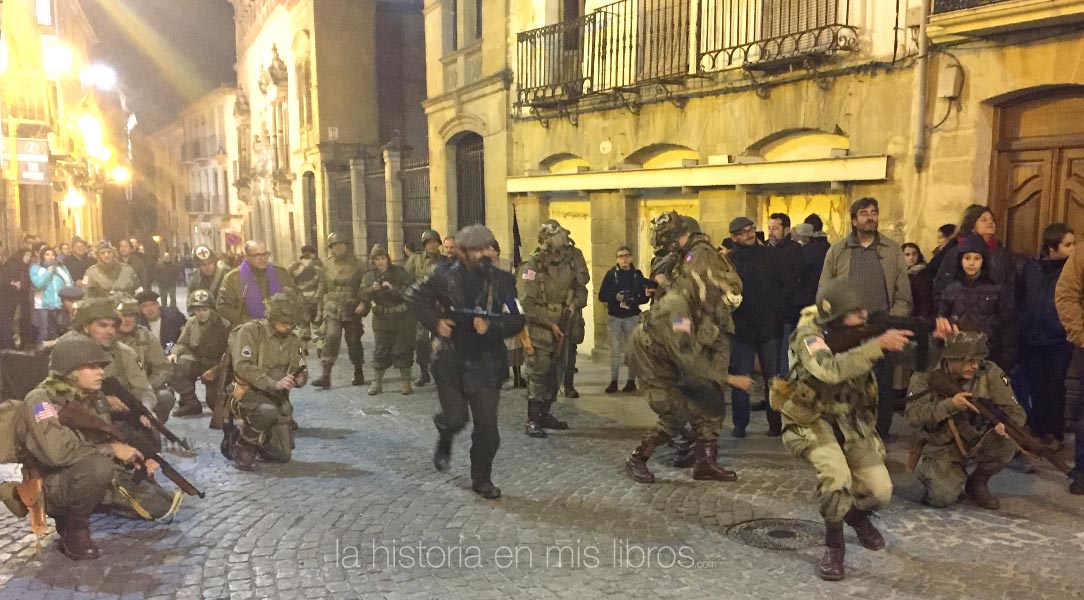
x=682 y=325
x=246 y=351
x=43 y=411
x=529 y=275
x=814 y=344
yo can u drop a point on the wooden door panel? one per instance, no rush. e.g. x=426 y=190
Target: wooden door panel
x=1021 y=202
x=1069 y=193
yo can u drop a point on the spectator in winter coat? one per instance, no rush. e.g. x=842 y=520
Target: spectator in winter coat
x=1046 y=351
x=790 y=259
x=921 y=279
x=623 y=290
x=814 y=248
x=48 y=277
x=978 y=220
x=975 y=301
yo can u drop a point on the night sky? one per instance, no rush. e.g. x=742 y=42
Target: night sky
x=167 y=53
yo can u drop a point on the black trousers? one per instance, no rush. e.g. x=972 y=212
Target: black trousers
x=457 y=406
x=886 y=396
x=1046 y=368
x=8 y=303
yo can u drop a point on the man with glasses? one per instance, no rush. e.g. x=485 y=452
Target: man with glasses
x=623 y=290
x=242 y=296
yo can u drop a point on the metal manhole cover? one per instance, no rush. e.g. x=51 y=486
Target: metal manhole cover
x=777 y=534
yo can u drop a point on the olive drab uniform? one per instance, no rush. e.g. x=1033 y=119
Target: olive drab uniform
x=699 y=258
x=263 y=414
x=578 y=327
x=151 y=357
x=198 y=350
x=343 y=279
x=231 y=298
x=197 y=281
x=942 y=468
x=393 y=326
x=421 y=265
x=125 y=367
x=548 y=287
x=311 y=283
x=105 y=279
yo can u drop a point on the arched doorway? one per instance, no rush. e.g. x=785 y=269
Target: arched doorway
x=308 y=187
x=1038 y=167
x=470 y=181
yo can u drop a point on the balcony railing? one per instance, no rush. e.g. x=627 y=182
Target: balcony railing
x=203 y=148
x=944 y=6
x=205 y=204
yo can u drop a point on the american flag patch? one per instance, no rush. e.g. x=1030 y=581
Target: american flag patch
x=683 y=325
x=529 y=275
x=44 y=410
x=814 y=344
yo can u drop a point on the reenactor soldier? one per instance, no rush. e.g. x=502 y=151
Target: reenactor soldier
x=149 y=355
x=682 y=362
x=198 y=353
x=421 y=265
x=110 y=275
x=342 y=311
x=953 y=432
x=127 y=251
x=79 y=472
x=578 y=325
x=69 y=296
x=96 y=319
x=311 y=282
x=394 y=328
x=247 y=288
x=829 y=408
x=209 y=274
x=551 y=293
x=268 y=361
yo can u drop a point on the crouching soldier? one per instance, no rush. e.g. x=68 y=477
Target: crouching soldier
x=268 y=361
x=149 y=355
x=955 y=435
x=198 y=353
x=80 y=469
x=829 y=407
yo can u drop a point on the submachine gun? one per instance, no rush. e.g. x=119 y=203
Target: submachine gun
x=916 y=355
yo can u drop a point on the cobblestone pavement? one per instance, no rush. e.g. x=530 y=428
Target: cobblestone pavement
x=361 y=513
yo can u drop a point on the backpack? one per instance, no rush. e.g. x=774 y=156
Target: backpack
x=9 y=416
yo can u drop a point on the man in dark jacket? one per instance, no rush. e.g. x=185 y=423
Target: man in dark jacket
x=791 y=264
x=814 y=248
x=165 y=322
x=757 y=322
x=471 y=361
x=623 y=290
x=15 y=293
x=78 y=261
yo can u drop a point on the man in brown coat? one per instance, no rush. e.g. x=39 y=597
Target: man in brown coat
x=1069 y=300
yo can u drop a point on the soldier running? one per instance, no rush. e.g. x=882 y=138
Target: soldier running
x=394 y=328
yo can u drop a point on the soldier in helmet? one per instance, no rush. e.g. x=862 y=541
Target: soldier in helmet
x=578 y=327
x=394 y=328
x=198 y=352
x=341 y=314
x=311 y=282
x=552 y=293
x=208 y=274
x=110 y=274
x=955 y=435
x=829 y=408
x=421 y=265
x=79 y=472
x=149 y=355
x=268 y=361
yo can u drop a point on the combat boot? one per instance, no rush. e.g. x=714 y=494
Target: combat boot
x=636 y=464
x=570 y=388
x=423 y=377
x=630 y=386
x=486 y=489
x=377 y=385
x=244 y=456
x=534 y=420
x=442 y=456
x=976 y=489
x=867 y=534
x=548 y=421
x=404 y=386
x=830 y=567
x=359 y=375
x=323 y=382
x=706 y=467
x=188 y=406
x=1076 y=486
x=75 y=540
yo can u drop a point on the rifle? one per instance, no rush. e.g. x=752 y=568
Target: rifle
x=112 y=387
x=943 y=384
x=915 y=355
x=74 y=416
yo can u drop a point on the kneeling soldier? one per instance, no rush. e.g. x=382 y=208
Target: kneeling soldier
x=149 y=355
x=79 y=469
x=268 y=362
x=198 y=353
x=951 y=428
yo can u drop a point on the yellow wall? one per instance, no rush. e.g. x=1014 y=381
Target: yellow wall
x=832 y=208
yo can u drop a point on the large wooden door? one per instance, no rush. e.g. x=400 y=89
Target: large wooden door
x=1038 y=171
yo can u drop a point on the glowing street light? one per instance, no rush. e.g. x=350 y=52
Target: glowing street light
x=58 y=58
x=121 y=175
x=74 y=199
x=100 y=76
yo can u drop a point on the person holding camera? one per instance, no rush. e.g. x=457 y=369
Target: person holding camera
x=623 y=290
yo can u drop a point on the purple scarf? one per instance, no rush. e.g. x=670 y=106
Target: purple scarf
x=254 y=305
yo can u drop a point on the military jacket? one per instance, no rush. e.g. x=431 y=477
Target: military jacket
x=343 y=278
x=385 y=299
x=261 y=358
x=422 y=264
x=213 y=284
x=310 y=282
x=702 y=262
x=42 y=441
x=125 y=367
x=103 y=280
x=931 y=413
x=546 y=289
x=149 y=355
x=824 y=384
x=674 y=342
x=231 y=298
x=207 y=341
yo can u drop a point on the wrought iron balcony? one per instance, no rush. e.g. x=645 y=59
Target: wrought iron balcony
x=944 y=6
x=772 y=34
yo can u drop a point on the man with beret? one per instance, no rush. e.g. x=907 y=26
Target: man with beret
x=110 y=275
x=310 y=281
x=69 y=297
x=209 y=273
x=165 y=322
x=247 y=288
x=149 y=355
x=198 y=352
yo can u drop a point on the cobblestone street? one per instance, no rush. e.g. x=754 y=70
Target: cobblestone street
x=361 y=513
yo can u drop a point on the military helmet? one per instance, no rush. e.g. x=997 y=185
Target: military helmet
x=691 y=224
x=125 y=304
x=378 y=250
x=836 y=299
x=667 y=228
x=338 y=238
x=200 y=299
x=551 y=234
x=70 y=354
x=92 y=309
x=284 y=308
x=966 y=345
x=430 y=235
x=203 y=255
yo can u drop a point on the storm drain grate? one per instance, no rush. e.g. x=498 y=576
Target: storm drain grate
x=777 y=534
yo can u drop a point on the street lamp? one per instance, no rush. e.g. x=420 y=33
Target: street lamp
x=74 y=199
x=121 y=174
x=100 y=76
x=57 y=57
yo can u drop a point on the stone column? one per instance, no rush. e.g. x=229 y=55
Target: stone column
x=394 y=187
x=357 y=199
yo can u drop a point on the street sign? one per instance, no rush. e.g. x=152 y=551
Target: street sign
x=32 y=159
